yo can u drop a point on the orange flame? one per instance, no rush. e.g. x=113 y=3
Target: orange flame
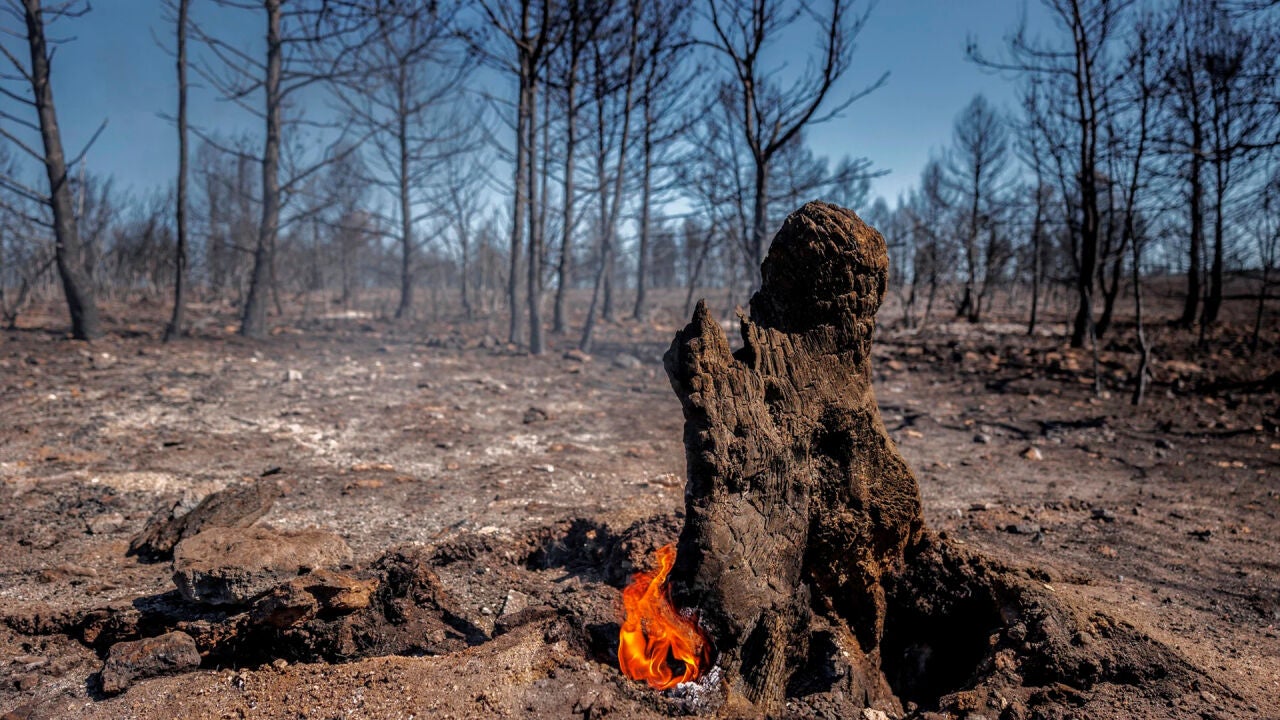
x=654 y=633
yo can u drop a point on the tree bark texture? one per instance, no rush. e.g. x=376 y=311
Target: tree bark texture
x=797 y=498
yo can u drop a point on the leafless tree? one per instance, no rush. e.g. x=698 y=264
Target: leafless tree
x=290 y=65
x=663 y=92
x=461 y=195
x=584 y=20
x=1241 y=62
x=976 y=171
x=32 y=20
x=526 y=32
x=1266 y=234
x=403 y=91
x=614 y=71
x=1080 y=67
x=770 y=110
x=1185 y=135
x=176 y=324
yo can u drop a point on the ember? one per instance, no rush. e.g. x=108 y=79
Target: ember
x=655 y=636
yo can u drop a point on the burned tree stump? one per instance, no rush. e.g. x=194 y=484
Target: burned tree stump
x=804 y=550
x=797 y=500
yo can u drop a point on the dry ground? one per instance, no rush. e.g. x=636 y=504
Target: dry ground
x=1163 y=516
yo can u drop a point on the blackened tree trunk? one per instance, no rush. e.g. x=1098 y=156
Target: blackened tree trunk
x=253 y=321
x=564 y=267
x=1037 y=229
x=1195 y=188
x=520 y=198
x=76 y=283
x=176 y=321
x=1087 y=101
x=1192 y=301
x=1213 y=299
x=533 y=283
x=646 y=198
x=797 y=498
x=404 y=195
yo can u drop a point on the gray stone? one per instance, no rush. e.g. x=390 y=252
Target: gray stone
x=128 y=662
x=232 y=566
x=105 y=524
x=234 y=506
x=626 y=362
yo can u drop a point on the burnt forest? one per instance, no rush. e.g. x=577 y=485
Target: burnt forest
x=735 y=359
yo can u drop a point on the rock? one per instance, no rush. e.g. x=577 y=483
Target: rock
x=285 y=606
x=577 y=356
x=105 y=524
x=30 y=662
x=236 y=506
x=1164 y=444
x=626 y=362
x=1032 y=453
x=128 y=662
x=515 y=602
x=869 y=714
x=1022 y=528
x=26 y=682
x=508 y=622
x=22 y=712
x=232 y=566
x=534 y=414
x=982 y=438
x=1104 y=514
x=322 y=591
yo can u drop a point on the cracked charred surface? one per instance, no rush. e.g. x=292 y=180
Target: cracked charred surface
x=797 y=500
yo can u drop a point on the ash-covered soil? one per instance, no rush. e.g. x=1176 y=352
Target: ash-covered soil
x=524 y=490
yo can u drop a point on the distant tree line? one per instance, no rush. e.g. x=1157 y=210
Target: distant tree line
x=504 y=152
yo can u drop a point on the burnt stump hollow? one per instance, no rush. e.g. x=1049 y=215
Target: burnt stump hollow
x=804 y=549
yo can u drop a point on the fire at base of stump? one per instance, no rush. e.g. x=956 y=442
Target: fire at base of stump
x=804 y=551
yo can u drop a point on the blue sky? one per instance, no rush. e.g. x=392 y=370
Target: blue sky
x=115 y=70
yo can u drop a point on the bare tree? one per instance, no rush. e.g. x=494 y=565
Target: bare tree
x=1185 y=136
x=1080 y=68
x=1241 y=62
x=976 y=173
x=1267 y=235
x=663 y=91
x=531 y=43
x=403 y=92
x=461 y=197
x=606 y=84
x=77 y=284
x=176 y=321
x=583 y=20
x=1140 y=88
x=291 y=64
x=769 y=110
x=1032 y=146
